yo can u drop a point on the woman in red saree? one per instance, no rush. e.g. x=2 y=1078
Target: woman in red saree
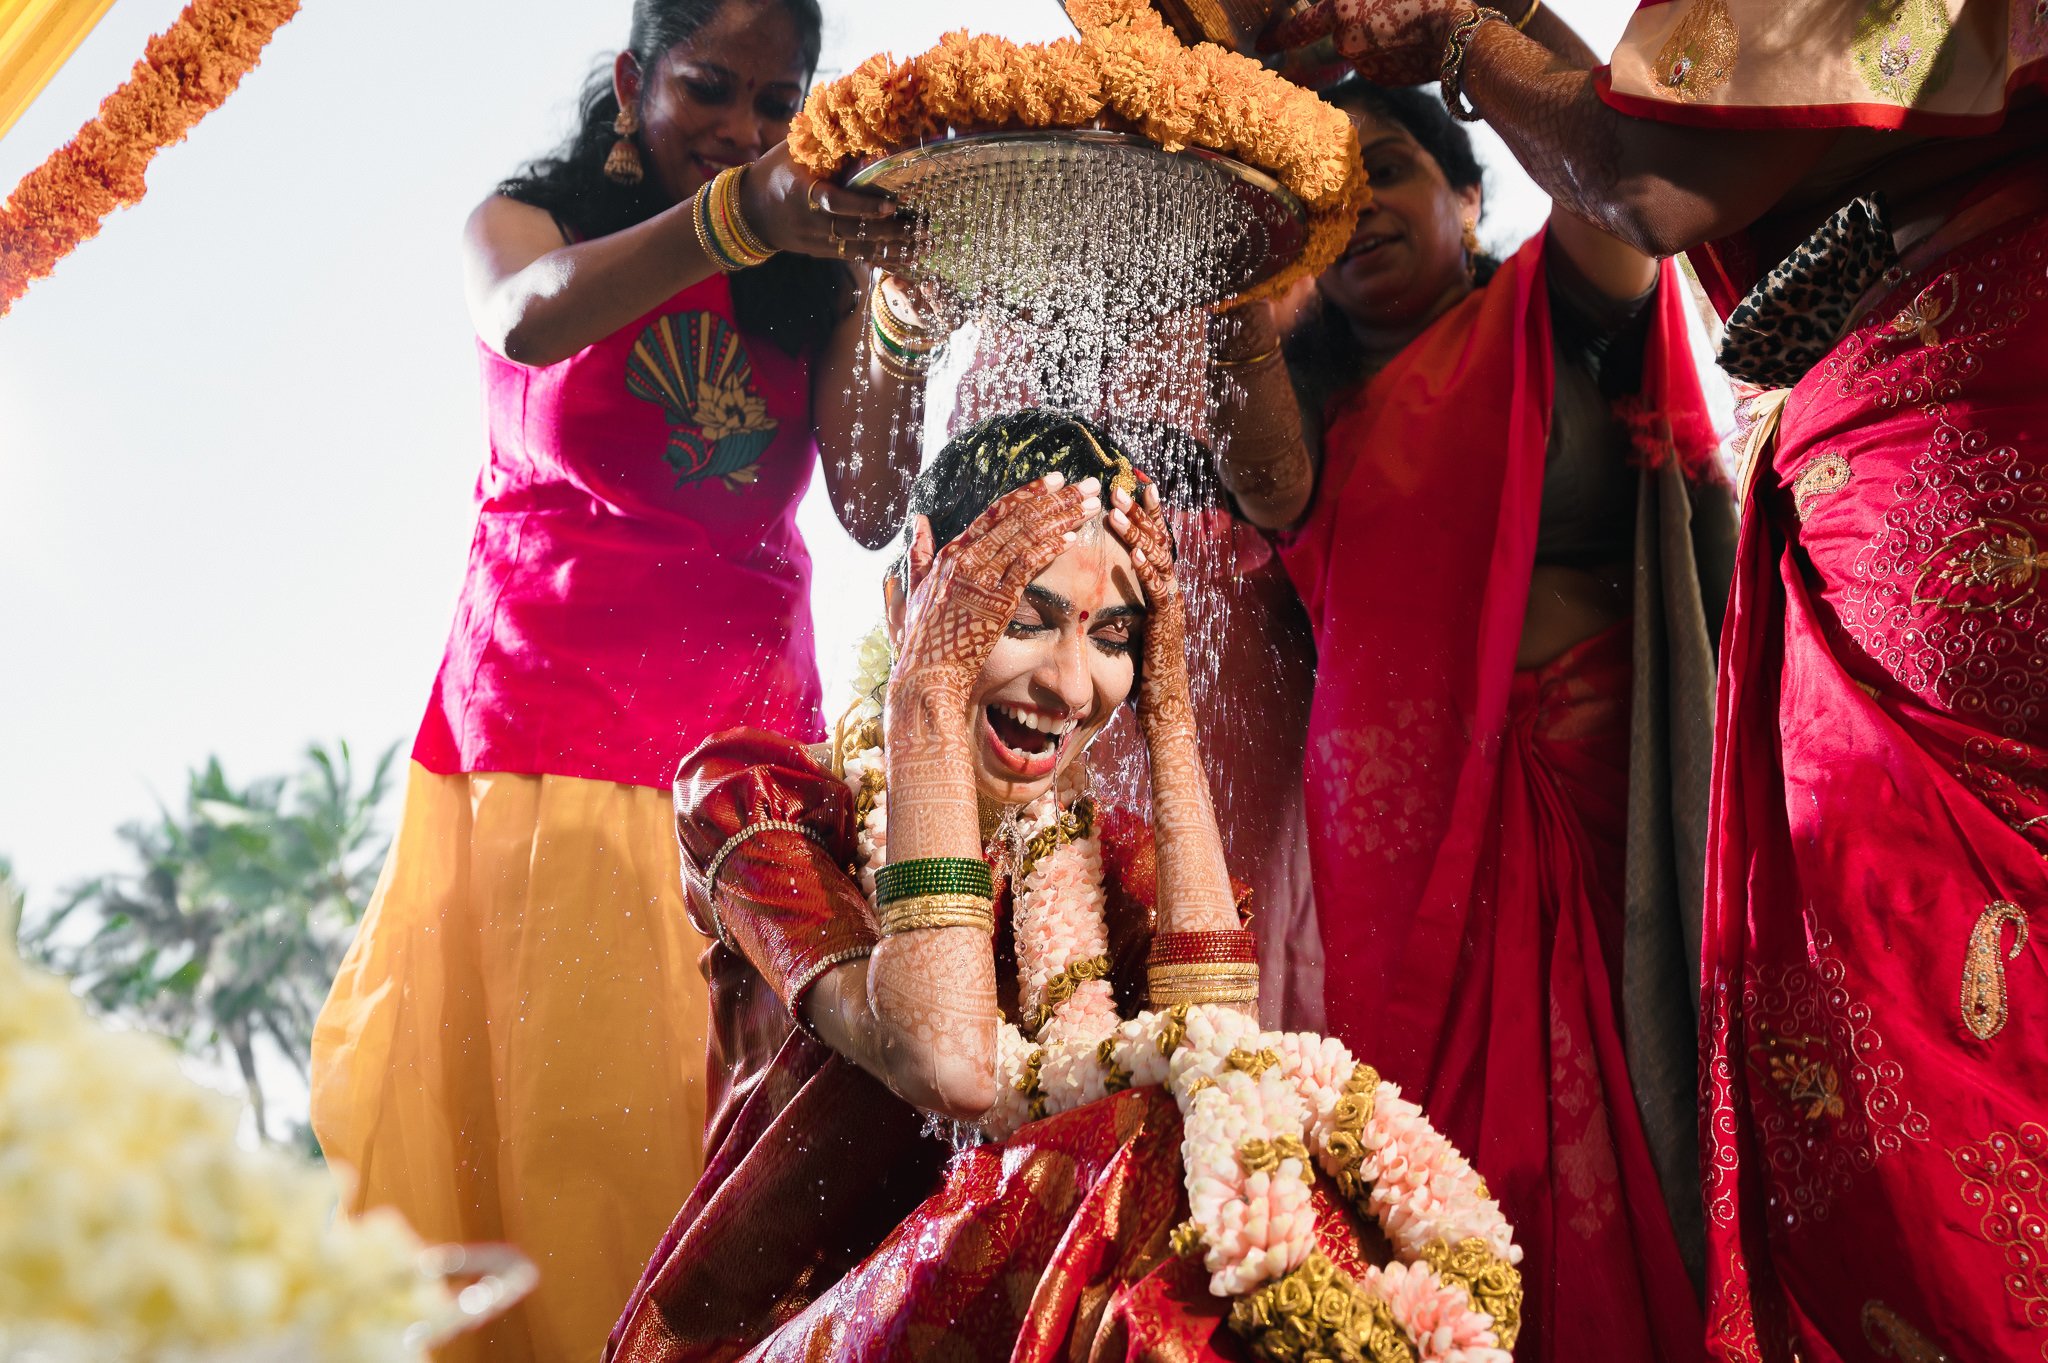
x=1875 y=987
x=833 y=1220
x=1507 y=747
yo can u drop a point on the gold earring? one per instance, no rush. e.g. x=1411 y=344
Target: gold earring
x=623 y=165
x=1471 y=236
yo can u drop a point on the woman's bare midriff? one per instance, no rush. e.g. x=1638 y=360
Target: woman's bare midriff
x=1568 y=606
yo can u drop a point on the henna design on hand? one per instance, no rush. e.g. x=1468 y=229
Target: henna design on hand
x=933 y=994
x=1194 y=884
x=1393 y=42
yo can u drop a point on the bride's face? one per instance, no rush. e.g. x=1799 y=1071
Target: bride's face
x=1064 y=664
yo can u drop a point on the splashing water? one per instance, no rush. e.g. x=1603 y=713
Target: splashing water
x=1079 y=275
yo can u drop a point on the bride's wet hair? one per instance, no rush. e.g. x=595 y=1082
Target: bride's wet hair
x=1004 y=453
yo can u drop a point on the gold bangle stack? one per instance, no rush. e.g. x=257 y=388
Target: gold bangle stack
x=1202 y=982
x=901 y=348
x=722 y=229
x=937 y=911
x=1271 y=353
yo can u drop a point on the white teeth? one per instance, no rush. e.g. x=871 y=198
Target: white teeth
x=1058 y=728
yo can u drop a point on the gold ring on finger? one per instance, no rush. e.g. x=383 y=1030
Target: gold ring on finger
x=811 y=196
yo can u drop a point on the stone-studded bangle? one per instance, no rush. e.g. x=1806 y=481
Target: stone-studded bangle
x=1455 y=51
x=933 y=875
x=937 y=911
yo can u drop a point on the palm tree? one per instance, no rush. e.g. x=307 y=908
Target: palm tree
x=231 y=928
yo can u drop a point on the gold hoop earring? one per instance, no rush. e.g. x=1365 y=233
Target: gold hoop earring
x=623 y=165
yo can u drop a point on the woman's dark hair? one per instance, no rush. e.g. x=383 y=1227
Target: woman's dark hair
x=1323 y=355
x=791 y=299
x=1002 y=454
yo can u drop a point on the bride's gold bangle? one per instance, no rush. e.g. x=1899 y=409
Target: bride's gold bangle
x=937 y=911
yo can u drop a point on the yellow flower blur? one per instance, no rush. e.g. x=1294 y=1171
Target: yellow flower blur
x=137 y=1231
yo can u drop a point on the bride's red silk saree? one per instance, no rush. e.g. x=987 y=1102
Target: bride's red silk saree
x=828 y=1223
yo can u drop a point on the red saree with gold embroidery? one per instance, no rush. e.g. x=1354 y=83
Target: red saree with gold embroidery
x=829 y=1223
x=1875 y=1013
x=1471 y=830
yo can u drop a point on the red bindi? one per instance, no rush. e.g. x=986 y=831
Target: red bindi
x=1084 y=616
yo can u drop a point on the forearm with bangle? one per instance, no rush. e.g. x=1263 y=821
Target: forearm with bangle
x=1262 y=456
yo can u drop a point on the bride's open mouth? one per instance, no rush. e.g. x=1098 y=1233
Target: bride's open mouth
x=1026 y=742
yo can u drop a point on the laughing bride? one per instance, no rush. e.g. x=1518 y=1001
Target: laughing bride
x=928 y=928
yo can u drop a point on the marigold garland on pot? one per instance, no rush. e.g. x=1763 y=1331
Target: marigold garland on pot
x=185 y=73
x=1128 y=68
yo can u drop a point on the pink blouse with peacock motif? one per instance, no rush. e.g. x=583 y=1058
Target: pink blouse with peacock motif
x=636 y=582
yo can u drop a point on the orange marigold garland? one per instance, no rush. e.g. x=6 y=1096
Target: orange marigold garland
x=1126 y=67
x=185 y=73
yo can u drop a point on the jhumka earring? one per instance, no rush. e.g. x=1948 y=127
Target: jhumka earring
x=1471 y=236
x=623 y=165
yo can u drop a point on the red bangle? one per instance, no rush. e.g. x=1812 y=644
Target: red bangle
x=1230 y=946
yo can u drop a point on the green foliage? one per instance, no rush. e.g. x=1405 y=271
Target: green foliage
x=231 y=926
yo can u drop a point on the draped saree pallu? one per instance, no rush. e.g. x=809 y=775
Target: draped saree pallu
x=1478 y=819
x=1876 y=994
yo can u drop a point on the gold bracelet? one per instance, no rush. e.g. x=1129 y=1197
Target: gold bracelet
x=909 y=371
x=892 y=327
x=1523 y=22
x=938 y=911
x=1202 y=982
x=1248 y=361
x=1197 y=997
x=742 y=230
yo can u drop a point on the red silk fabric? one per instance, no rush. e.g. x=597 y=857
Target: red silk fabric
x=1467 y=823
x=1875 y=1165
x=815 y=1171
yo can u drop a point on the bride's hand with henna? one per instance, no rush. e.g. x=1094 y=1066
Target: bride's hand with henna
x=1391 y=42
x=1195 y=893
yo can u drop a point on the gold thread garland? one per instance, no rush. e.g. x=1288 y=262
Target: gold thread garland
x=1076 y=821
x=1062 y=986
x=1491 y=1285
x=1125 y=67
x=185 y=73
x=1319 y=1312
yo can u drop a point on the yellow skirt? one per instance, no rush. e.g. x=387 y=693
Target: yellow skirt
x=514 y=1049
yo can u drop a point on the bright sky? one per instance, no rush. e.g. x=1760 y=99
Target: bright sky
x=239 y=431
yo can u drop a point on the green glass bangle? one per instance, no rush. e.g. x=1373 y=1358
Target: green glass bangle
x=933 y=875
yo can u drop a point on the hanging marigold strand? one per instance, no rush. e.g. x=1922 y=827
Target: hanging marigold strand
x=185 y=73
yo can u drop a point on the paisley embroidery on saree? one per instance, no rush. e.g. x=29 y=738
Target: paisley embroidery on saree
x=1821 y=476
x=1839 y=1110
x=2005 y=1177
x=1958 y=624
x=1699 y=56
x=1983 y=998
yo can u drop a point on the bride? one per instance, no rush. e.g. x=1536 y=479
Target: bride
x=928 y=928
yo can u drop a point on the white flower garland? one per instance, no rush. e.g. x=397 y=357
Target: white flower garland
x=133 y=1228
x=1256 y=1107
